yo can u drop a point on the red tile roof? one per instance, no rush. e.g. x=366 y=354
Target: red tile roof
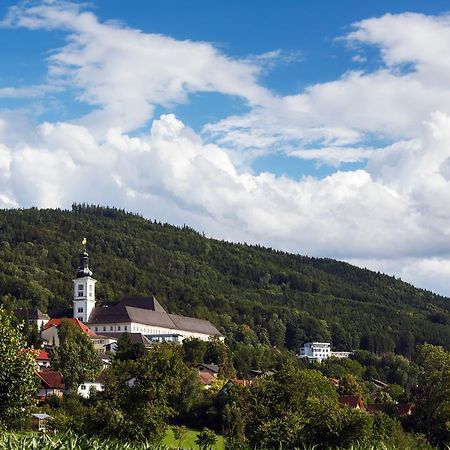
x=206 y=378
x=41 y=355
x=51 y=380
x=57 y=322
x=354 y=401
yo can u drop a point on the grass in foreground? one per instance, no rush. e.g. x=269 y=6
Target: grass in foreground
x=189 y=441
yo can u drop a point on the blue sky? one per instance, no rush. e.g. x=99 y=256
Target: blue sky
x=320 y=128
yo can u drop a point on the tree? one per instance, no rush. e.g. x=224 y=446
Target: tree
x=433 y=396
x=218 y=353
x=194 y=351
x=75 y=357
x=206 y=439
x=349 y=385
x=127 y=350
x=140 y=412
x=277 y=406
x=18 y=383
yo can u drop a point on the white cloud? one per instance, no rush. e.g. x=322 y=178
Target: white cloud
x=124 y=73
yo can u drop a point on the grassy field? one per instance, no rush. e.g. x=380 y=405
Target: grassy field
x=189 y=441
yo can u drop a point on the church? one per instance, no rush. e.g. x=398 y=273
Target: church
x=142 y=315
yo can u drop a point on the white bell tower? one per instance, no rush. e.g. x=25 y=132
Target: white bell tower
x=83 y=289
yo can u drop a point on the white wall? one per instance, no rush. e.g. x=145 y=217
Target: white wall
x=145 y=329
x=84 y=390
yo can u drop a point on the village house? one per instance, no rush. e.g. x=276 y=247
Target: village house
x=318 y=351
x=52 y=383
x=42 y=361
x=353 y=401
x=86 y=388
x=50 y=332
x=33 y=316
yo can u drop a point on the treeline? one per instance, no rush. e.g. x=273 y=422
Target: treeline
x=256 y=296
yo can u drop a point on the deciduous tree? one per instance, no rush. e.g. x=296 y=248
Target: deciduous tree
x=18 y=383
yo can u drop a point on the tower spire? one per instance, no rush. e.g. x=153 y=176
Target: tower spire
x=83 y=288
x=83 y=270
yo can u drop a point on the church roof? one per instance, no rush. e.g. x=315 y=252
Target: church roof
x=193 y=324
x=148 y=311
x=144 y=303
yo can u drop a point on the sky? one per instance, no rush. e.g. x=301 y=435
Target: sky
x=320 y=128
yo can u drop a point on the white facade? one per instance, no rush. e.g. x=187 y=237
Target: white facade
x=316 y=351
x=133 y=327
x=83 y=298
x=50 y=336
x=85 y=389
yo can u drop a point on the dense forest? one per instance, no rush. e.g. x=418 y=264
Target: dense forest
x=251 y=293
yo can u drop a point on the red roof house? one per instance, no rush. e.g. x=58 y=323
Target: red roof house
x=49 y=333
x=353 y=401
x=52 y=383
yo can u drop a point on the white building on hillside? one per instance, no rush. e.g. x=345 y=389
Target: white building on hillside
x=142 y=315
x=318 y=351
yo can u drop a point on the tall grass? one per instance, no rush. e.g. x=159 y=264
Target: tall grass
x=68 y=441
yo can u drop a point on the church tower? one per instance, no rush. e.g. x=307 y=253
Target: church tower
x=83 y=290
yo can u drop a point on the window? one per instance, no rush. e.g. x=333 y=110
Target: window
x=90 y=288
x=80 y=310
x=126 y=328
x=96 y=328
x=83 y=387
x=80 y=287
x=80 y=319
x=118 y=328
x=104 y=328
x=80 y=294
x=111 y=328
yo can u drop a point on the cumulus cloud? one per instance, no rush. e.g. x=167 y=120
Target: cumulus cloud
x=389 y=103
x=172 y=162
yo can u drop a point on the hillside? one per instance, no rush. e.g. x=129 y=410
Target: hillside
x=283 y=299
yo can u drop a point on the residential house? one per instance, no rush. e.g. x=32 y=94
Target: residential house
x=42 y=360
x=34 y=316
x=86 y=388
x=104 y=343
x=353 y=401
x=318 y=351
x=212 y=369
x=50 y=332
x=52 y=383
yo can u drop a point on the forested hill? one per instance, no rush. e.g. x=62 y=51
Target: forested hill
x=271 y=296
